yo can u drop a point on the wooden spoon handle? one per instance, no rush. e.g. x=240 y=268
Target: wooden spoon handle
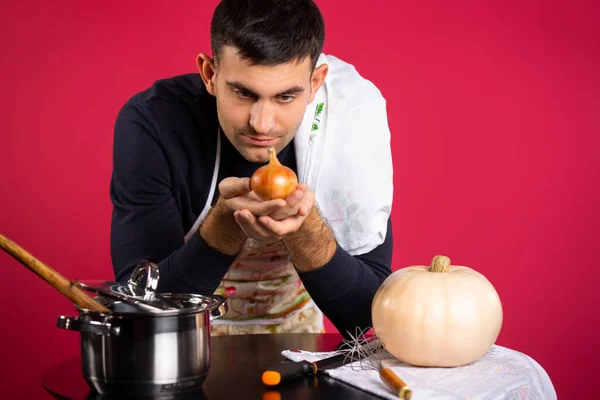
x=400 y=388
x=56 y=280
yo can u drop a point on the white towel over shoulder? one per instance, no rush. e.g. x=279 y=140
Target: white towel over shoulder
x=343 y=154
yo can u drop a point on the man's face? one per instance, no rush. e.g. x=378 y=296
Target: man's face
x=261 y=106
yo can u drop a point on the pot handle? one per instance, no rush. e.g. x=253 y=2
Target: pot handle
x=220 y=309
x=76 y=324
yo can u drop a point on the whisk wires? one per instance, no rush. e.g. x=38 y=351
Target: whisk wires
x=370 y=354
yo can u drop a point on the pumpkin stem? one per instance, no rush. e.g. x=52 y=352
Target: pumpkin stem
x=440 y=264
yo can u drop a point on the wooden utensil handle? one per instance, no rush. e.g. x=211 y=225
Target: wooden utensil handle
x=389 y=376
x=56 y=280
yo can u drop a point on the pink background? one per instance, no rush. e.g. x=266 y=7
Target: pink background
x=495 y=116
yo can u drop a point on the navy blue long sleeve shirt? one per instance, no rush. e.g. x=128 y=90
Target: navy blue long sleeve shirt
x=163 y=160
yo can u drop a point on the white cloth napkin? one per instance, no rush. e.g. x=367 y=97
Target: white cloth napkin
x=501 y=373
x=343 y=154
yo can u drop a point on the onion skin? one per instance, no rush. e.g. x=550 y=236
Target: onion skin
x=273 y=181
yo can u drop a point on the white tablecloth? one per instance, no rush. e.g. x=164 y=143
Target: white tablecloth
x=501 y=373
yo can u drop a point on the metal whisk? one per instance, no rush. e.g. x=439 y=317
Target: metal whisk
x=370 y=353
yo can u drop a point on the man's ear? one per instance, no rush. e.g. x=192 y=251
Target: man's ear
x=206 y=67
x=317 y=79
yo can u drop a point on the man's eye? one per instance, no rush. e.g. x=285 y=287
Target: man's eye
x=243 y=94
x=286 y=98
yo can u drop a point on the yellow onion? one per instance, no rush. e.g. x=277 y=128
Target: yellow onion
x=273 y=181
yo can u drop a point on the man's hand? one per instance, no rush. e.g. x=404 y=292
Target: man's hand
x=307 y=238
x=240 y=214
x=287 y=216
x=237 y=196
x=220 y=230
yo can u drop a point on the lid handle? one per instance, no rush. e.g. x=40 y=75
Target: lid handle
x=144 y=279
x=144 y=283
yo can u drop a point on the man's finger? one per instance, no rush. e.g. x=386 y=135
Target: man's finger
x=293 y=201
x=232 y=187
x=295 y=197
x=283 y=227
x=267 y=207
x=304 y=209
x=250 y=225
x=243 y=224
x=257 y=207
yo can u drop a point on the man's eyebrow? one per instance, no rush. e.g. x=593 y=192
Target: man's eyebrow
x=291 y=91
x=242 y=87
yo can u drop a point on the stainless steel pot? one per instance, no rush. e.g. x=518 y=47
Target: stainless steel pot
x=129 y=351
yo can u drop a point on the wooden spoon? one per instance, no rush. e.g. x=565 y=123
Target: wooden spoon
x=56 y=280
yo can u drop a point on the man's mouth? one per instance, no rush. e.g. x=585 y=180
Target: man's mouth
x=259 y=140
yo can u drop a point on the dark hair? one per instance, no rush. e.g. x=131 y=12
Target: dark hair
x=268 y=32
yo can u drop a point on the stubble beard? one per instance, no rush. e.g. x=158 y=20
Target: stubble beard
x=255 y=154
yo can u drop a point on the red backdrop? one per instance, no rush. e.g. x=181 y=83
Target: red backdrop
x=495 y=116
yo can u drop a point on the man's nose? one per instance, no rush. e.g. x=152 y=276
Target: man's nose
x=262 y=117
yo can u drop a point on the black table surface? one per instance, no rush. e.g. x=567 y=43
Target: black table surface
x=237 y=363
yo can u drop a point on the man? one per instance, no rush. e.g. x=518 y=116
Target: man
x=184 y=151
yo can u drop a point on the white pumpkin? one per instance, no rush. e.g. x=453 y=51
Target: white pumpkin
x=438 y=316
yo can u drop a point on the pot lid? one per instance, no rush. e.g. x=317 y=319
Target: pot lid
x=140 y=291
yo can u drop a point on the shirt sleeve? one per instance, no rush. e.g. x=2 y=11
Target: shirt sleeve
x=146 y=222
x=344 y=288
